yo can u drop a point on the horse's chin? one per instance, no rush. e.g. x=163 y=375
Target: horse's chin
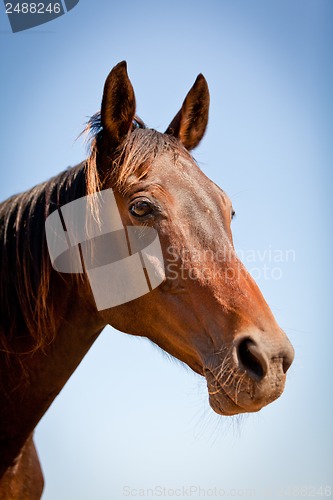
x=222 y=404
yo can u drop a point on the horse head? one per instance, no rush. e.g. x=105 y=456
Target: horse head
x=208 y=312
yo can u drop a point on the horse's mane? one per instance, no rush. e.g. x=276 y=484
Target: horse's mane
x=24 y=264
x=27 y=313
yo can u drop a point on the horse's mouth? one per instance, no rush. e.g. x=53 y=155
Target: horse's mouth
x=222 y=404
x=246 y=398
x=219 y=399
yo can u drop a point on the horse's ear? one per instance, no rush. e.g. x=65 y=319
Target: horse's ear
x=190 y=122
x=118 y=105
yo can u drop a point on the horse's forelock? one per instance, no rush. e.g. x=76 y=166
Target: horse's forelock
x=133 y=158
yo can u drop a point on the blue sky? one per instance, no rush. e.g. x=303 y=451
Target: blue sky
x=128 y=417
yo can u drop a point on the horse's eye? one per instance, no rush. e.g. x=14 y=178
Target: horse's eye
x=140 y=209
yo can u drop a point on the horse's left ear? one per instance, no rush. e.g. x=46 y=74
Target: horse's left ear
x=118 y=105
x=190 y=122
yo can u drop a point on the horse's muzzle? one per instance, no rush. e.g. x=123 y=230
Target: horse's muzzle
x=250 y=374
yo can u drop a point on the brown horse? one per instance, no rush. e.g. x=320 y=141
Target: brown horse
x=208 y=312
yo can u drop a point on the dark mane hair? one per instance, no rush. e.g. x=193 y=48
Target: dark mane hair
x=25 y=267
x=24 y=263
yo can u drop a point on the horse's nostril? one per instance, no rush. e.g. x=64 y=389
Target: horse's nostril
x=285 y=365
x=287 y=359
x=253 y=361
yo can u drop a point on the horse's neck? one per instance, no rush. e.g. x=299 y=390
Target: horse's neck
x=28 y=387
x=29 y=383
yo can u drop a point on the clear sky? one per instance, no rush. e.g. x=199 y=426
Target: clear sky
x=129 y=418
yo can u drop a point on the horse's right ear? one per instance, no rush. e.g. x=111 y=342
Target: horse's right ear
x=118 y=105
x=190 y=122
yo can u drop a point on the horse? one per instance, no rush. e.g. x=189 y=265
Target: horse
x=207 y=311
